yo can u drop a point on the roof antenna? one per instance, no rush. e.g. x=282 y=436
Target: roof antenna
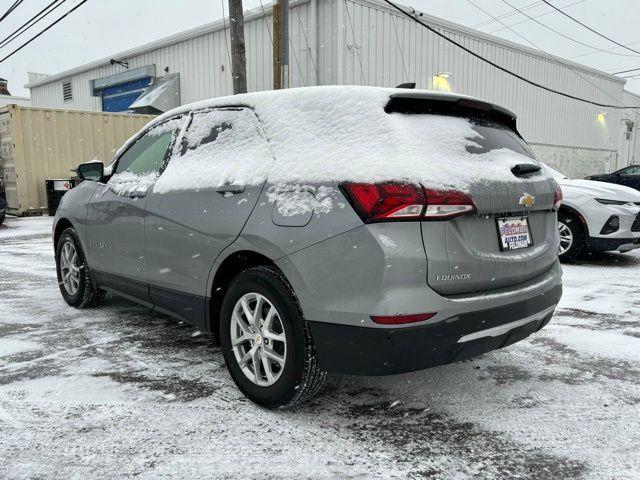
x=410 y=85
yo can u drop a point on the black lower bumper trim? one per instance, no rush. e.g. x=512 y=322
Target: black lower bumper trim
x=610 y=244
x=385 y=351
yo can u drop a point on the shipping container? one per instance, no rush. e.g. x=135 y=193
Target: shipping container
x=37 y=144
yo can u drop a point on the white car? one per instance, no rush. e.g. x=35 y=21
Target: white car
x=596 y=217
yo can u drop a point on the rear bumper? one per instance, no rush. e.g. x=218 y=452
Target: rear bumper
x=610 y=244
x=384 y=351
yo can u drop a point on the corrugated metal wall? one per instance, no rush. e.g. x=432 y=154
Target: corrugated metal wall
x=365 y=42
x=385 y=49
x=37 y=144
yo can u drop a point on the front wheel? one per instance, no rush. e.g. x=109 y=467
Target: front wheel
x=572 y=238
x=266 y=342
x=74 y=277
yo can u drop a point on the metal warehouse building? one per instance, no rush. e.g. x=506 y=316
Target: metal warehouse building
x=366 y=42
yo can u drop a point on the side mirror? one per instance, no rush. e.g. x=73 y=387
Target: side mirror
x=92 y=171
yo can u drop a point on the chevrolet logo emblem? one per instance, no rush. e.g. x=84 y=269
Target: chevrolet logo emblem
x=527 y=200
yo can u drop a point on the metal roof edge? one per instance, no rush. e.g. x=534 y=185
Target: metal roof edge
x=194 y=32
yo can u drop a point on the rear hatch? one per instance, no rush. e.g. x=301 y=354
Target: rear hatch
x=511 y=236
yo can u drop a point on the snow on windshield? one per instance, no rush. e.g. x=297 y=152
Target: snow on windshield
x=328 y=134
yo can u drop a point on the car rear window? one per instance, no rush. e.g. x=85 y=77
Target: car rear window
x=495 y=127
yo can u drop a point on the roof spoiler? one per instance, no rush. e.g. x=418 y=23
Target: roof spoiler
x=434 y=103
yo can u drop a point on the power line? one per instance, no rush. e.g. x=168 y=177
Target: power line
x=44 y=30
x=548 y=12
x=15 y=5
x=224 y=33
x=608 y=50
x=306 y=40
x=500 y=67
x=534 y=45
x=31 y=22
x=404 y=68
x=626 y=71
x=563 y=35
x=589 y=28
x=355 y=43
x=506 y=15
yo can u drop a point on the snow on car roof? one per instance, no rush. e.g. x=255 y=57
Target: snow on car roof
x=342 y=133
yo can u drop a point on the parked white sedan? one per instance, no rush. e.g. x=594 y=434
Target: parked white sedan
x=596 y=216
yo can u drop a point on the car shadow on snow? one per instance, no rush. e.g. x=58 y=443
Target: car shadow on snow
x=607 y=260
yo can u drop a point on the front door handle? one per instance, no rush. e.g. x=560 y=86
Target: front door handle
x=230 y=189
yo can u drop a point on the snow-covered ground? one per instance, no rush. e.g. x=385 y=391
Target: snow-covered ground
x=118 y=391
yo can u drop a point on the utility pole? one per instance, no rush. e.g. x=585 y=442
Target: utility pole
x=238 y=55
x=280 y=44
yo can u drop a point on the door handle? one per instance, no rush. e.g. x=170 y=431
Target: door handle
x=230 y=189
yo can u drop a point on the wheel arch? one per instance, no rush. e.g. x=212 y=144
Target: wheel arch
x=60 y=227
x=232 y=265
x=569 y=210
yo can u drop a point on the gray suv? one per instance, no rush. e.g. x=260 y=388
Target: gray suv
x=322 y=230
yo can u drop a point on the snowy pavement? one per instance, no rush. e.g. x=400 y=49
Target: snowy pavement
x=119 y=391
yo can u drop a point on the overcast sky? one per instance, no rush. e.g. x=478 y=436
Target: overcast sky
x=101 y=28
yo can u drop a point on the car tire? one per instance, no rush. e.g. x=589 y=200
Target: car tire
x=295 y=376
x=74 y=275
x=572 y=237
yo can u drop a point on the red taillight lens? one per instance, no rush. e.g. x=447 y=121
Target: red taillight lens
x=445 y=204
x=401 y=319
x=385 y=201
x=400 y=201
x=557 y=198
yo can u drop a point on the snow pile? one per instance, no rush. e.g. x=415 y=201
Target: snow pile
x=293 y=200
x=328 y=134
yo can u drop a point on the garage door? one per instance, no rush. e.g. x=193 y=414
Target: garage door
x=119 y=97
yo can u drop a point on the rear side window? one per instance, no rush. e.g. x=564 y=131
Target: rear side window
x=220 y=146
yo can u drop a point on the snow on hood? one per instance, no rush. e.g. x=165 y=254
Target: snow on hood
x=332 y=134
x=609 y=191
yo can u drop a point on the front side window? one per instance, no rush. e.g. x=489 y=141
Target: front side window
x=146 y=155
x=140 y=165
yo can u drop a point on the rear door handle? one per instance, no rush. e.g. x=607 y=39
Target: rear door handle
x=232 y=189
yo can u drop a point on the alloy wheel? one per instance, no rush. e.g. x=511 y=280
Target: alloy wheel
x=70 y=268
x=258 y=339
x=566 y=237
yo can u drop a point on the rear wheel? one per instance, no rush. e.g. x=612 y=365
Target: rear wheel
x=572 y=238
x=266 y=342
x=74 y=276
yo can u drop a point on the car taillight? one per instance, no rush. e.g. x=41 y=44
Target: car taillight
x=379 y=202
x=446 y=204
x=557 y=198
x=376 y=202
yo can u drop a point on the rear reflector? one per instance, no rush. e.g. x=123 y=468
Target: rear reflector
x=401 y=319
x=381 y=202
x=445 y=204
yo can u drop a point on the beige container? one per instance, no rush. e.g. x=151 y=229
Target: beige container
x=42 y=143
